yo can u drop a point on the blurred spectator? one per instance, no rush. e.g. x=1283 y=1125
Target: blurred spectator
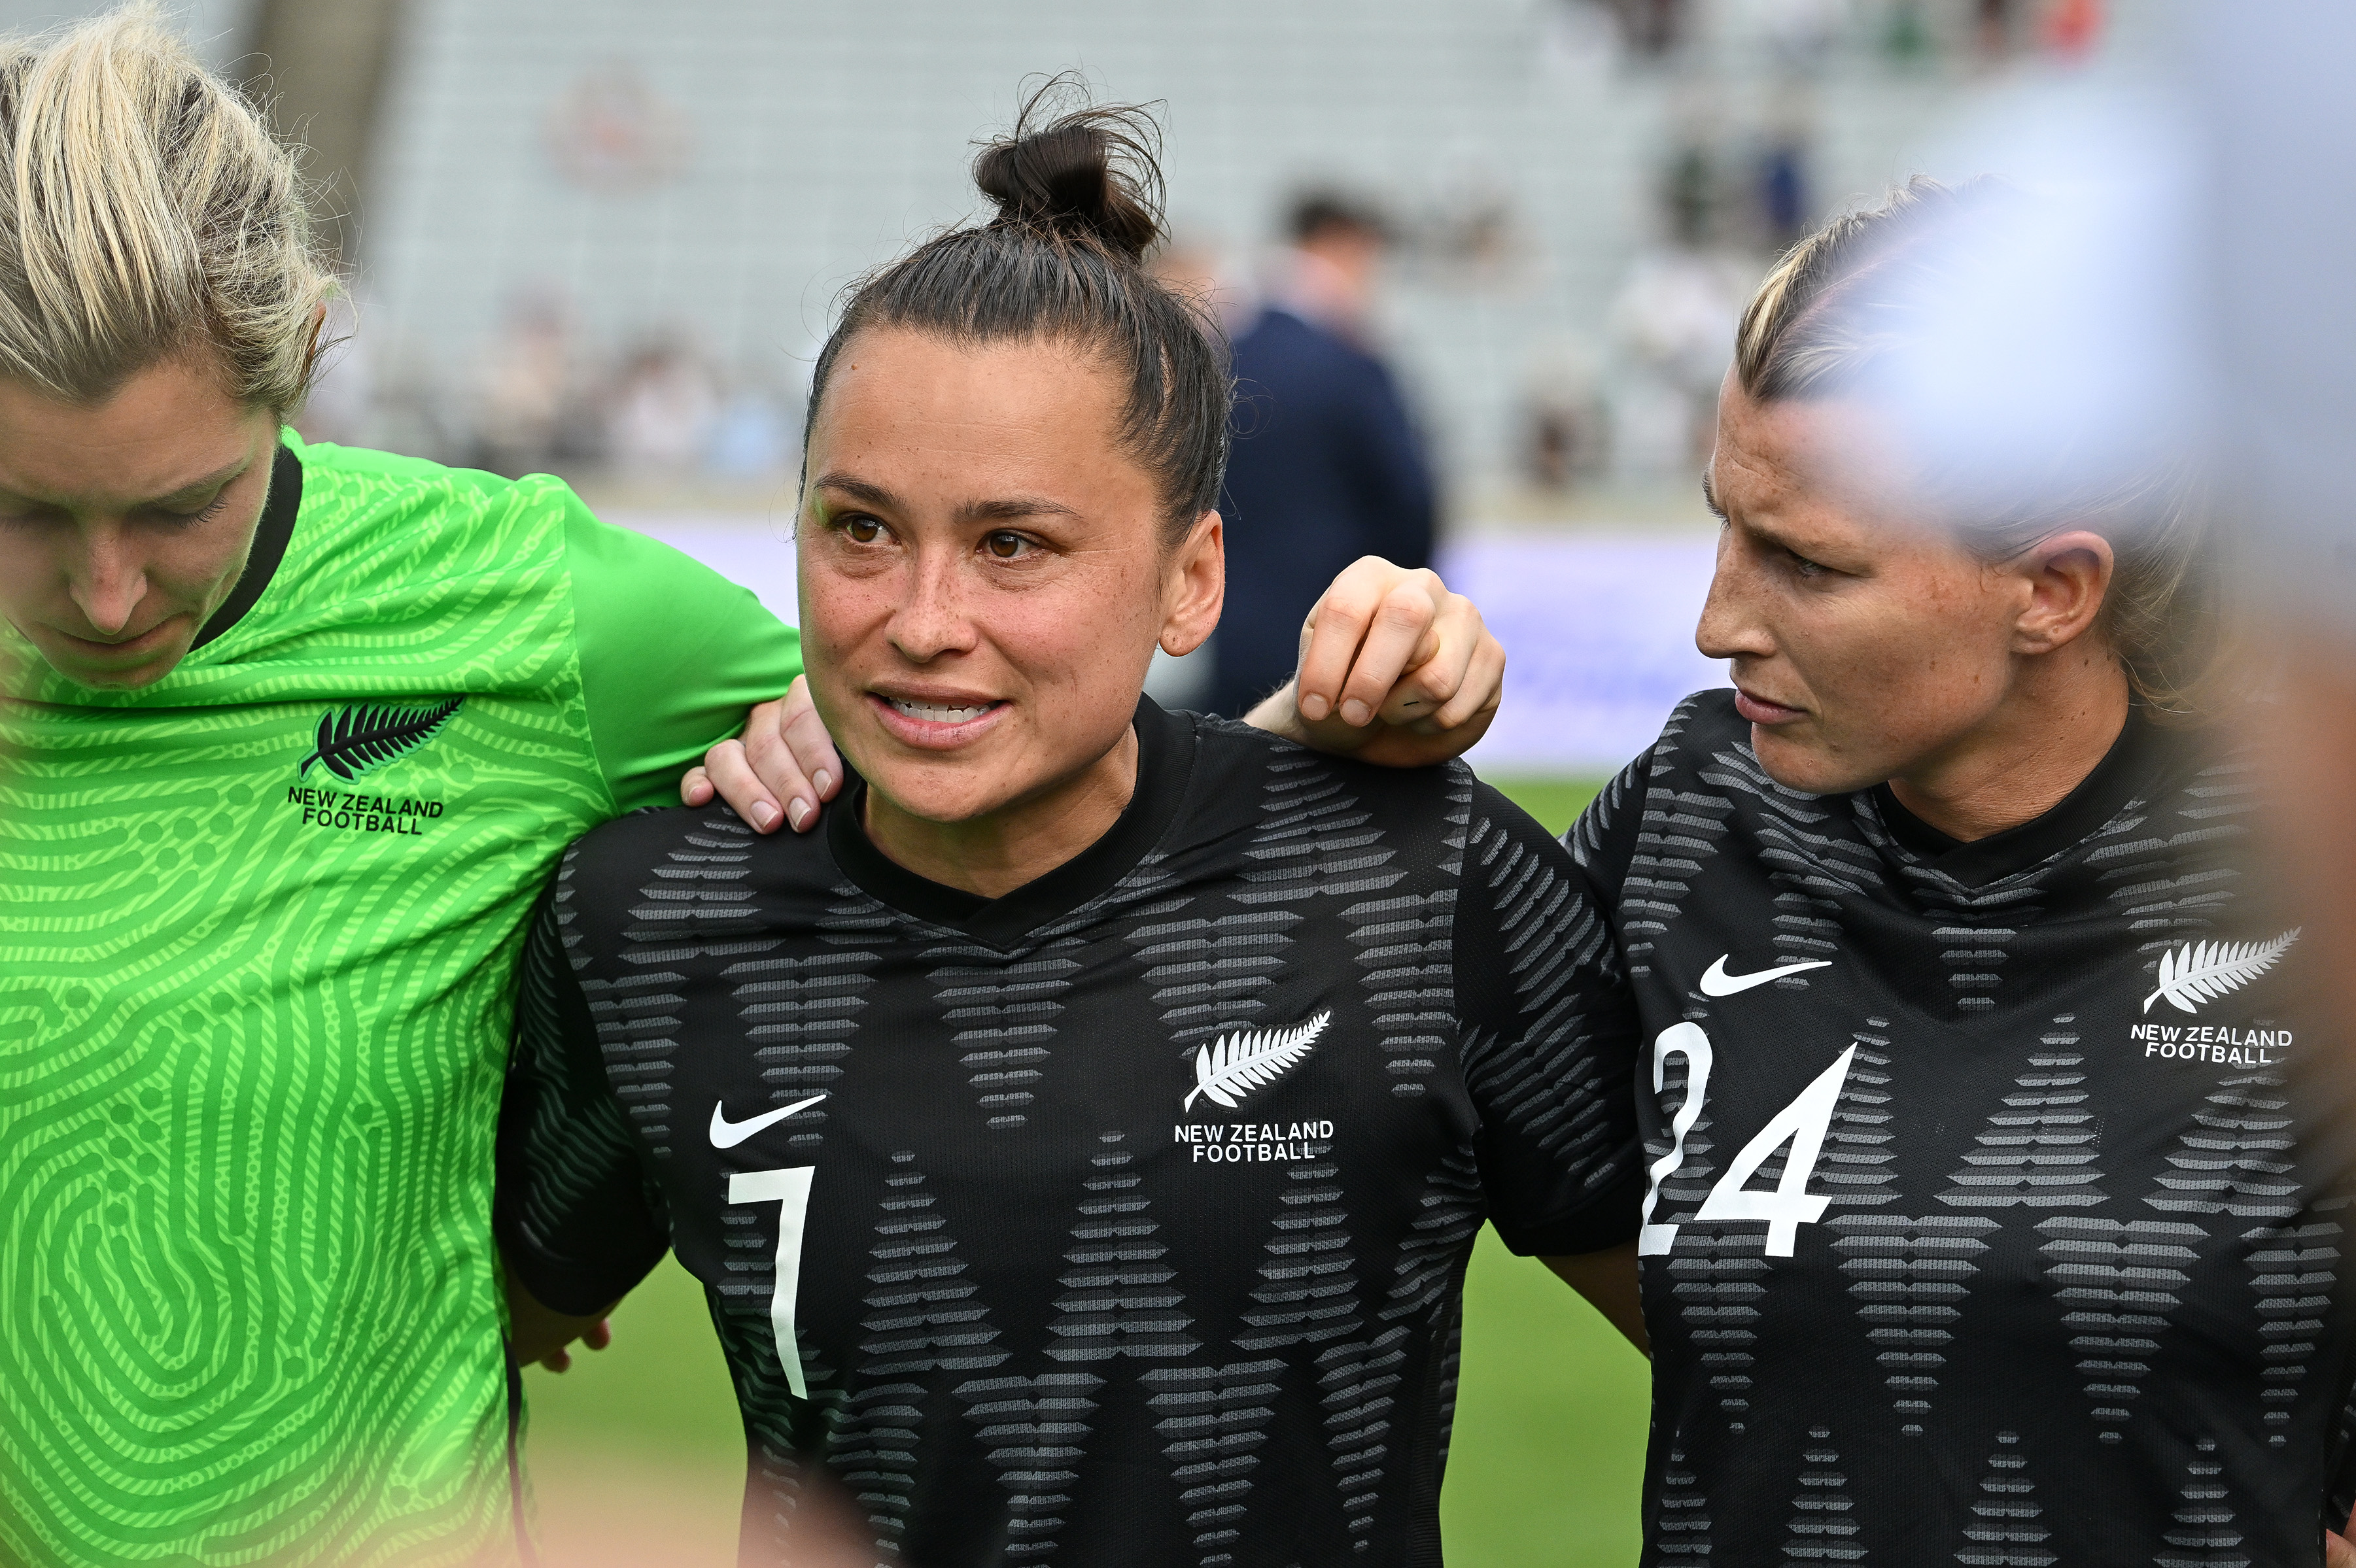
x=1565 y=428
x=1785 y=207
x=1326 y=466
x=751 y=438
x=527 y=389
x=1652 y=27
x=2073 y=27
x=1673 y=324
x=1995 y=18
x=663 y=411
x=1906 y=36
x=1799 y=34
x=1689 y=194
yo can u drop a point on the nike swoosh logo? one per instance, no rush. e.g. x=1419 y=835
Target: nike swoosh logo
x=726 y=1133
x=1716 y=982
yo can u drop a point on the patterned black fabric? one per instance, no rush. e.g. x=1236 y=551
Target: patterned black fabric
x=1138 y=1202
x=2012 y=1228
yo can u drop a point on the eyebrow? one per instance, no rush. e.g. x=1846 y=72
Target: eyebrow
x=198 y=487
x=1002 y=509
x=195 y=489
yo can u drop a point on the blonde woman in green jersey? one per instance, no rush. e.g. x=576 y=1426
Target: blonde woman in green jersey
x=290 y=736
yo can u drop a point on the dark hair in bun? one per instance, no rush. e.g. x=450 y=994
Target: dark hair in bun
x=1089 y=175
x=1079 y=204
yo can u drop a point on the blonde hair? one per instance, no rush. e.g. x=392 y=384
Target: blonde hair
x=148 y=212
x=1853 y=297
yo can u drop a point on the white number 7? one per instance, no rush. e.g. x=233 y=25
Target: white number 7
x=789 y=1190
x=1803 y=1124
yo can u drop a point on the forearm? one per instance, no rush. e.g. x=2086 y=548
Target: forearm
x=1608 y=1281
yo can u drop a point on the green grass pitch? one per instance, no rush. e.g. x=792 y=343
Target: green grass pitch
x=636 y=1454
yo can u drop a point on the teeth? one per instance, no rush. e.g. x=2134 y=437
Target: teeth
x=940 y=713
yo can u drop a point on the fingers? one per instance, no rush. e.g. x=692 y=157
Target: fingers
x=695 y=786
x=1436 y=676
x=2337 y=1551
x=1478 y=691
x=598 y=1335
x=733 y=778
x=1335 y=629
x=791 y=755
x=1371 y=626
x=557 y=1360
x=1399 y=639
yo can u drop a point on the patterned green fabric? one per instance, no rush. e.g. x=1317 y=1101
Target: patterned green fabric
x=258 y=924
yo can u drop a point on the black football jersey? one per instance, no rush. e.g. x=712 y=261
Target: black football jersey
x=1121 y=1219
x=1997 y=1192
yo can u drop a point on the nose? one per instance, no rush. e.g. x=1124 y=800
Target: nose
x=1731 y=626
x=107 y=581
x=931 y=621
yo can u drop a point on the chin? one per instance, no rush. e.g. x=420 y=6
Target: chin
x=942 y=790
x=1808 y=769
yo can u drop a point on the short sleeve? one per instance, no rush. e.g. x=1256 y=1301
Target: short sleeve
x=1548 y=1040
x=672 y=655
x=574 y=1213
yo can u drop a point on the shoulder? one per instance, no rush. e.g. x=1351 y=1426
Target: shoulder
x=417 y=506
x=1263 y=787
x=681 y=873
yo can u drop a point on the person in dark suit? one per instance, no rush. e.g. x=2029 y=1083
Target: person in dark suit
x=1326 y=467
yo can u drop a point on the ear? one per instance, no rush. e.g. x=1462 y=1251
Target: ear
x=2068 y=577
x=1195 y=587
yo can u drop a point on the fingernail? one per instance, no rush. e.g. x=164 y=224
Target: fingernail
x=764 y=815
x=1314 y=707
x=1354 y=713
x=798 y=810
x=823 y=780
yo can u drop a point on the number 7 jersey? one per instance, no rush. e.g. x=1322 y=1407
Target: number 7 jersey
x=1996 y=1202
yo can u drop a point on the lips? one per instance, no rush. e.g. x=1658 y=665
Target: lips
x=1761 y=710
x=145 y=641
x=937 y=721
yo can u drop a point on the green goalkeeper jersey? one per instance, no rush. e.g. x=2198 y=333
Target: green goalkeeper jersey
x=258 y=930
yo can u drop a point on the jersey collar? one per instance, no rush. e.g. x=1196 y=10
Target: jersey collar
x=1165 y=766
x=269 y=537
x=2129 y=769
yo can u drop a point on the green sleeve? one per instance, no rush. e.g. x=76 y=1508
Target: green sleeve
x=672 y=655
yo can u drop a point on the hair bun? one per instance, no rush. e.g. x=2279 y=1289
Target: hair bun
x=1090 y=175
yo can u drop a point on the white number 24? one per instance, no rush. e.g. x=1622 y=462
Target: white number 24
x=1788 y=1205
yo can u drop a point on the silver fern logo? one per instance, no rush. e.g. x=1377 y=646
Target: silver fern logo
x=1236 y=1064
x=2200 y=972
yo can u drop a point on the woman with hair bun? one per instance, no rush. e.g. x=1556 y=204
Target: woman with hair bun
x=1080 y=1136
x=290 y=736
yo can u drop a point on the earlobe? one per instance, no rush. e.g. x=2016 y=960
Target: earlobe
x=1197 y=587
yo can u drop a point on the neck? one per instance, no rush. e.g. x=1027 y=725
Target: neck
x=2054 y=728
x=991 y=854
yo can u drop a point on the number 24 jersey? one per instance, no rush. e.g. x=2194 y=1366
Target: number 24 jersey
x=1997 y=1192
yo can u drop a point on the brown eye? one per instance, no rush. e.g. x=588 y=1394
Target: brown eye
x=1004 y=546
x=863 y=530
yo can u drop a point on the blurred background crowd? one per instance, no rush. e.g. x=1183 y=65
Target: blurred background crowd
x=600 y=238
